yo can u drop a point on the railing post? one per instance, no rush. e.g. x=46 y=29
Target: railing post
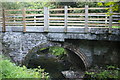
x=86 y=18
x=106 y=20
x=110 y=19
x=3 y=19
x=65 y=18
x=46 y=19
x=24 y=21
x=34 y=19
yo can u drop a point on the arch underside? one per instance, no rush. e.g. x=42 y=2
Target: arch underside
x=65 y=45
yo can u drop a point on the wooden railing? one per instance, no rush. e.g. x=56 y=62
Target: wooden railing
x=60 y=17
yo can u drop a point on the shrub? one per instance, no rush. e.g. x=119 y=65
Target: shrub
x=10 y=70
x=57 y=51
x=111 y=72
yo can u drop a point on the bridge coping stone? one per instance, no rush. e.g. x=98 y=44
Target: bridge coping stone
x=57 y=34
x=78 y=30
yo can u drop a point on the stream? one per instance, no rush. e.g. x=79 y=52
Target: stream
x=66 y=66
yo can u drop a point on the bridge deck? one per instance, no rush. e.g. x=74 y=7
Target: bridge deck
x=95 y=30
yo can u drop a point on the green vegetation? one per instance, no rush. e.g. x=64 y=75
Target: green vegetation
x=10 y=70
x=40 y=5
x=57 y=51
x=28 y=5
x=42 y=49
x=99 y=74
x=114 y=5
x=115 y=26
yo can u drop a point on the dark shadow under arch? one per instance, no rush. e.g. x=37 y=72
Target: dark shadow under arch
x=65 y=45
x=75 y=60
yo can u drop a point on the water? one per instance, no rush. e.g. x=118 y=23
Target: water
x=57 y=66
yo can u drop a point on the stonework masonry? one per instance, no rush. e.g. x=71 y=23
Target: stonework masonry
x=96 y=47
x=17 y=44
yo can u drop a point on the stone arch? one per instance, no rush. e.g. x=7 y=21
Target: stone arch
x=65 y=45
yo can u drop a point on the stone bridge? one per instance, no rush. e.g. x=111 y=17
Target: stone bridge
x=94 y=48
x=92 y=39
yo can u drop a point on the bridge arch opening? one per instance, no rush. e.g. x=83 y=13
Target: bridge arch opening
x=59 y=53
x=70 y=61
